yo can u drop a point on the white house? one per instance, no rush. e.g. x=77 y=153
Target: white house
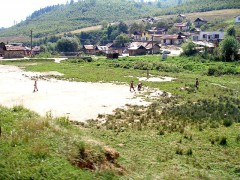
x=168 y=39
x=237 y=19
x=208 y=36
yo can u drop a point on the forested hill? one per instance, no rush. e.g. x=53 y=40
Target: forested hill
x=75 y=15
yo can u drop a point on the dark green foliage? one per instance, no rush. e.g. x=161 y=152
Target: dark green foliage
x=227 y=122
x=231 y=31
x=225 y=109
x=188 y=48
x=229 y=48
x=223 y=141
x=68 y=45
x=222 y=70
x=179 y=151
x=189 y=152
x=238 y=138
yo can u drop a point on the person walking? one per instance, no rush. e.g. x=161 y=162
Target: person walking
x=35 y=86
x=197 y=84
x=131 y=86
x=139 y=86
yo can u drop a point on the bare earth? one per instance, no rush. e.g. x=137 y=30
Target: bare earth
x=79 y=101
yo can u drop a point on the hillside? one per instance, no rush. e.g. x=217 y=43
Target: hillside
x=64 y=18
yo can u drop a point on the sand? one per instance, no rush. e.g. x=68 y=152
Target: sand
x=79 y=101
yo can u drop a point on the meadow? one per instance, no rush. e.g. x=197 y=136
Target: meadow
x=192 y=134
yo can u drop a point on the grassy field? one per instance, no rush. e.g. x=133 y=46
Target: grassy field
x=194 y=134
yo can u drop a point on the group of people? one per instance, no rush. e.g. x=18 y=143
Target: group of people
x=139 y=86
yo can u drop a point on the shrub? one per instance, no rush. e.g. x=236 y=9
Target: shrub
x=227 y=122
x=223 y=141
x=238 y=138
x=189 y=152
x=161 y=132
x=179 y=151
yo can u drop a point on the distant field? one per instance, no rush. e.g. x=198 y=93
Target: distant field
x=87 y=29
x=210 y=15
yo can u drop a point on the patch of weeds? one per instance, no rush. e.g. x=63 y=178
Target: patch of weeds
x=227 y=122
x=238 y=138
x=161 y=132
x=223 y=141
x=189 y=152
x=63 y=121
x=214 y=124
x=179 y=151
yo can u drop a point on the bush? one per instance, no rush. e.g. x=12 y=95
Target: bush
x=238 y=138
x=223 y=141
x=227 y=122
x=189 y=152
x=189 y=49
x=179 y=151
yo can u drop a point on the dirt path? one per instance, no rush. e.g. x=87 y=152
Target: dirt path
x=77 y=100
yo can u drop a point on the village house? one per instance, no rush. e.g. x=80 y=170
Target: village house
x=101 y=50
x=137 y=36
x=214 y=36
x=201 y=46
x=199 y=22
x=237 y=19
x=35 y=50
x=145 y=36
x=2 y=49
x=14 y=50
x=182 y=26
x=142 y=48
x=113 y=48
x=156 y=30
x=88 y=49
x=169 y=39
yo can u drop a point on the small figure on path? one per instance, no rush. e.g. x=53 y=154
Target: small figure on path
x=139 y=87
x=131 y=86
x=197 y=83
x=35 y=86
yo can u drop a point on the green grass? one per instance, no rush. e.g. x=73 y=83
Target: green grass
x=34 y=147
x=192 y=135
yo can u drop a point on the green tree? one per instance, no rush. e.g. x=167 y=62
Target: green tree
x=121 y=39
x=231 y=31
x=228 y=48
x=122 y=27
x=137 y=27
x=68 y=44
x=188 y=48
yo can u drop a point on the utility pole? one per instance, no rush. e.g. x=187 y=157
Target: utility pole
x=152 y=44
x=31 y=42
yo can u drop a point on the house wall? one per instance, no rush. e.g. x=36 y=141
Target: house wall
x=145 y=36
x=182 y=28
x=137 y=52
x=157 y=39
x=207 y=36
x=237 y=19
x=14 y=54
